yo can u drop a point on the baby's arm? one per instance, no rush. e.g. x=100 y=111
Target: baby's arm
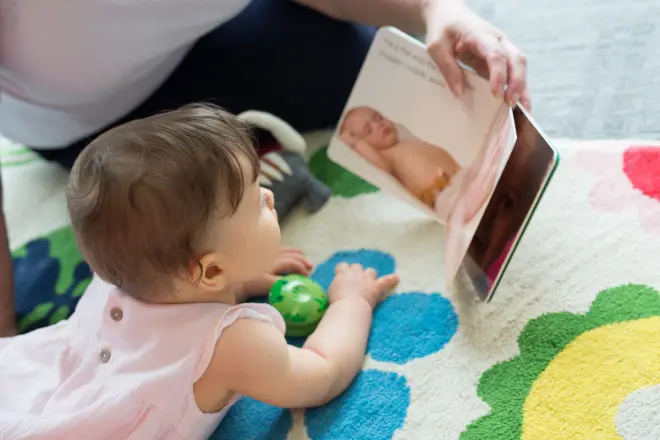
x=373 y=156
x=252 y=358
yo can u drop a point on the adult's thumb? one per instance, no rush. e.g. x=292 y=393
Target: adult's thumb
x=442 y=52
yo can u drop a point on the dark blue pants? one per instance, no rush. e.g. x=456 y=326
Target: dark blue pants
x=276 y=56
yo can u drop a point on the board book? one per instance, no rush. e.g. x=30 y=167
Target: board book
x=403 y=131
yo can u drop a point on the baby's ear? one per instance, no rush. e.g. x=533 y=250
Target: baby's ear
x=208 y=273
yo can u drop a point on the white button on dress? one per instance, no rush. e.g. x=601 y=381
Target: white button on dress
x=116 y=314
x=105 y=355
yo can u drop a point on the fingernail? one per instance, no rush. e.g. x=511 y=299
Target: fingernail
x=514 y=99
x=457 y=89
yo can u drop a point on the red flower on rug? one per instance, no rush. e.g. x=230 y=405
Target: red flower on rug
x=642 y=166
x=629 y=179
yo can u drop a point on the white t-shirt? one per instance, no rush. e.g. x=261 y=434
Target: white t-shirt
x=71 y=67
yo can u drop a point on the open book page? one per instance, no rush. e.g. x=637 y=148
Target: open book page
x=403 y=131
x=484 y=247
x=476 y=190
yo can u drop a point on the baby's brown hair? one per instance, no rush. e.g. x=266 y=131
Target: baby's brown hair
x=141 y=195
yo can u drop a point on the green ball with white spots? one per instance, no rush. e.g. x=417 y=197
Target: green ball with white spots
x=301 y=302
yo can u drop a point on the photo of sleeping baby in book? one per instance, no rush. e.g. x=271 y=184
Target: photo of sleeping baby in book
x=426 y=171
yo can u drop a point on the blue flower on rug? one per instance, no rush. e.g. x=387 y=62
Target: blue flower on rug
x=411 y=325
x=380 y=261
x=372 y=408
x=406 y=326
x=249 y=419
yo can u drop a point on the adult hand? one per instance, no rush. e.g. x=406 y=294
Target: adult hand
x=456 y=33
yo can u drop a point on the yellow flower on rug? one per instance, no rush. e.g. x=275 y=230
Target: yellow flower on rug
x=574 y=372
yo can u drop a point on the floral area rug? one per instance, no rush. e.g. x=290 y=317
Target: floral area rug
x=569 y=348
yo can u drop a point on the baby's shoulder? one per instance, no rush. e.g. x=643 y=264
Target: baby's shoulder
x=244 y=326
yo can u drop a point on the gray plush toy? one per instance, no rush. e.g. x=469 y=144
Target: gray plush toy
x=285 y=172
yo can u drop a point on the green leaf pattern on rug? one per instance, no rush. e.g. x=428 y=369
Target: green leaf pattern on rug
x=506 y=386
x=341 y=182
x=60 y=314
x=37 y=314
x=63 y=248
x=61 y=278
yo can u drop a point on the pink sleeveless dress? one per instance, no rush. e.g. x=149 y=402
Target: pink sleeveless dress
x=118 y=368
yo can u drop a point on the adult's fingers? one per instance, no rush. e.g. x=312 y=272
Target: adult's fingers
x=517 y=69
x=487 y=46
x=476 y=63
x=442 y=52
x=525 y=100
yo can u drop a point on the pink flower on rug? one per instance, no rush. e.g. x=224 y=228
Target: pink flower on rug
x=629 y=179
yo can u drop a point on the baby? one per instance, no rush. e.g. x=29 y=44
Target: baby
x=424 y=169
x=168 y=213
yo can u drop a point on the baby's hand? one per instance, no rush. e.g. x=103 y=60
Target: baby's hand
x=289 y=261
x=292 y=260
x=355 y=282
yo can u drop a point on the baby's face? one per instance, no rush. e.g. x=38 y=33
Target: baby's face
x=366 y=124
x=249 y=241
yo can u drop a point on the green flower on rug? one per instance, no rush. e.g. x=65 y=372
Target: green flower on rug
x=574 y=371
x=342 y=182
x=50 y=276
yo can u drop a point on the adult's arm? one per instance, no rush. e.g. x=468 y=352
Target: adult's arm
x=407 y=15
x=453 y=31
x=7 y=314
